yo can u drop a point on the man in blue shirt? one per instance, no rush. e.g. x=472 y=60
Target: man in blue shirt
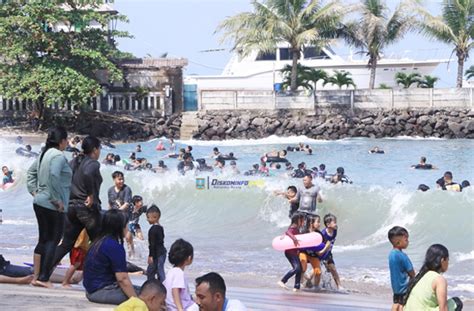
x=401 y=268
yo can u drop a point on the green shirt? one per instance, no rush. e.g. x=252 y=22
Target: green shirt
x=50 y=180
x=423 y=297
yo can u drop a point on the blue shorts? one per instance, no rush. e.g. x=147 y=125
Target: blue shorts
x=133 y=227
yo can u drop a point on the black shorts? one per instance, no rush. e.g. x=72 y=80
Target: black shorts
x=399 y=298
x=329 y=259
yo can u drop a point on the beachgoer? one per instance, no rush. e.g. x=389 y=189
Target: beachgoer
x=135 y=210
x=401 y=268
x=312 y=225
x=188 y=150
x=186 y=165
x=49 y=182
x=109 y=159
x=423 y=187
x=19 y=140
x=220 y=164
x=84 y=204
x=178 y=296
x=289 y=167
x=138 y=148
x=376 y=150
x=211 y=294
x=263 y=169
x=77 y=257
x=157 y=250
x=234 y=168
x=201 y=165
x=253 y=171
x=161 y=168
x=7 y=176
x=160 y=146
x=429 y=289
x=117 y=159
x=465 y=184
x=340 y=177
x=297 y=222
x=449 y=185
x=106 y=278
x=423 y=165
x=215 y=153
x=120 y=195
x=14 y=274
x=308 y=196
x=172 y=145
x=290 y=194
x=329 y=234
x=300 y=172
x=322 y=171
x=152 y=298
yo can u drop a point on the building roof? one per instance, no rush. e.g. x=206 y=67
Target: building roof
x=143 y=63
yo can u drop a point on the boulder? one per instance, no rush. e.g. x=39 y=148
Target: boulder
x=427 y=129
x=455 y=127
x=423 y=120
x=368 y=121
x=469 y=126
x=258 y=121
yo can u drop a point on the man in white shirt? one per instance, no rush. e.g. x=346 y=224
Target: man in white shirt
x=210 y=294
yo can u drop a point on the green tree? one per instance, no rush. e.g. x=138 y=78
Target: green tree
x=427 y=82
x=301 y=77
x=470 y=72
x=384 y=86
x=455 y=27
x=375 y=30
x=340 y=78
x=406 y=80
x=294 y=22
x=47 y=66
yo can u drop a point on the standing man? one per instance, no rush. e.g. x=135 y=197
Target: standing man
x=210 y=294
x=308 y=196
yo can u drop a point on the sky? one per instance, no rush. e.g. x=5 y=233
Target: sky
x=186 y=28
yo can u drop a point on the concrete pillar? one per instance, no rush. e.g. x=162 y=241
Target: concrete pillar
x=472 y=97
x=98 y=103
x=1 y=102
x=431 y=98
x=235 y=100
x=110 y=102
x=352 y=100
x=392 y=99
x=162 y=103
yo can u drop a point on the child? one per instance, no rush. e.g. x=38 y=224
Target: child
x=152 y=297
x=313 y=222
x=322 y=171
x=77 y=257
x=178 y=296
x=134 y=213
x=156 y=237
x=297 y=222
x=120 y=195
x=8 y=176
x=400 y=266
x=290 y=194
x=329 y=235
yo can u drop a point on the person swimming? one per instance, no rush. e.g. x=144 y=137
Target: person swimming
x=423 y=165
x=26 y=152
x=339 y=177
x=376 y=150
x=7 y=176
x=160 y=146
x=423 y=188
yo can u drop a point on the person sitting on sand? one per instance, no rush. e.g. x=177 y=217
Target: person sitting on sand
x=105 y=269
x=152 y=298
x=423 y=165
x=211 y=294
x=7 y=176
x=428 y=290
x=376 y=150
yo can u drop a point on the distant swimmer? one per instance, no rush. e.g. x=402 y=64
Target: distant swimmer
x=449 y=185
x=160 y=146
x=301 y=171
x=219 y=165
x=161 y=168
x=253 y=171
x=423 y=165
x=339 y=177
x=138 y=148
x=322 y=171
x=186 y=164
x=172 y=145
x=19 y=140
x=26 y=152
x=202 y=166
x=234 y=168
x=275 y=156
x=109 y=159
x=465 y=184
x=215 y=153
x=423 y=188
x=376 y=150
x=227 y=157
x=7 y=176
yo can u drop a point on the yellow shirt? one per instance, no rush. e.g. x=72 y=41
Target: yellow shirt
x=132 y=304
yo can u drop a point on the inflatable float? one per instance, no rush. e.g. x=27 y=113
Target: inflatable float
x=306 y=240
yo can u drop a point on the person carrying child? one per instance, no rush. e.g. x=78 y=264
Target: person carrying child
x=135 y=211
x=401 y=268
x=178 y=296
x=157 y=250
x=329 y=235
x=77 y=257
x=290 y=193
x=297 y=222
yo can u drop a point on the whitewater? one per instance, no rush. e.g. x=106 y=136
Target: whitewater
x=231 y=229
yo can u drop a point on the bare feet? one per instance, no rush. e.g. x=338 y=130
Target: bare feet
x=66 y=286
x=25 y=280
x=42 y=284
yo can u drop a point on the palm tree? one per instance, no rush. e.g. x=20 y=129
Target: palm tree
x=375 y=30
x=340 y=78
x=427 y=82
x=406 y=80
x=301 y=76
x=470 y=72
x=384 y=86
x=455 y=26
x=293 y=22
x=314 y=75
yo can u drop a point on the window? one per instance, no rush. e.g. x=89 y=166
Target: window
x=314 y=53
x=266 y=56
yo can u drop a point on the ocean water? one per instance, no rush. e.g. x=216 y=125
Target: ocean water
x=231 y=229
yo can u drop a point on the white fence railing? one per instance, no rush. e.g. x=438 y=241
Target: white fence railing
x=218 y=99
x=112 y=102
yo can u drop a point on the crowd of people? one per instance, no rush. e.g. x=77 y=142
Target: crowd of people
x=68 y=209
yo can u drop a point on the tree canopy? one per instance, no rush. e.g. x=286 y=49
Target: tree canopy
x=50 y=53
